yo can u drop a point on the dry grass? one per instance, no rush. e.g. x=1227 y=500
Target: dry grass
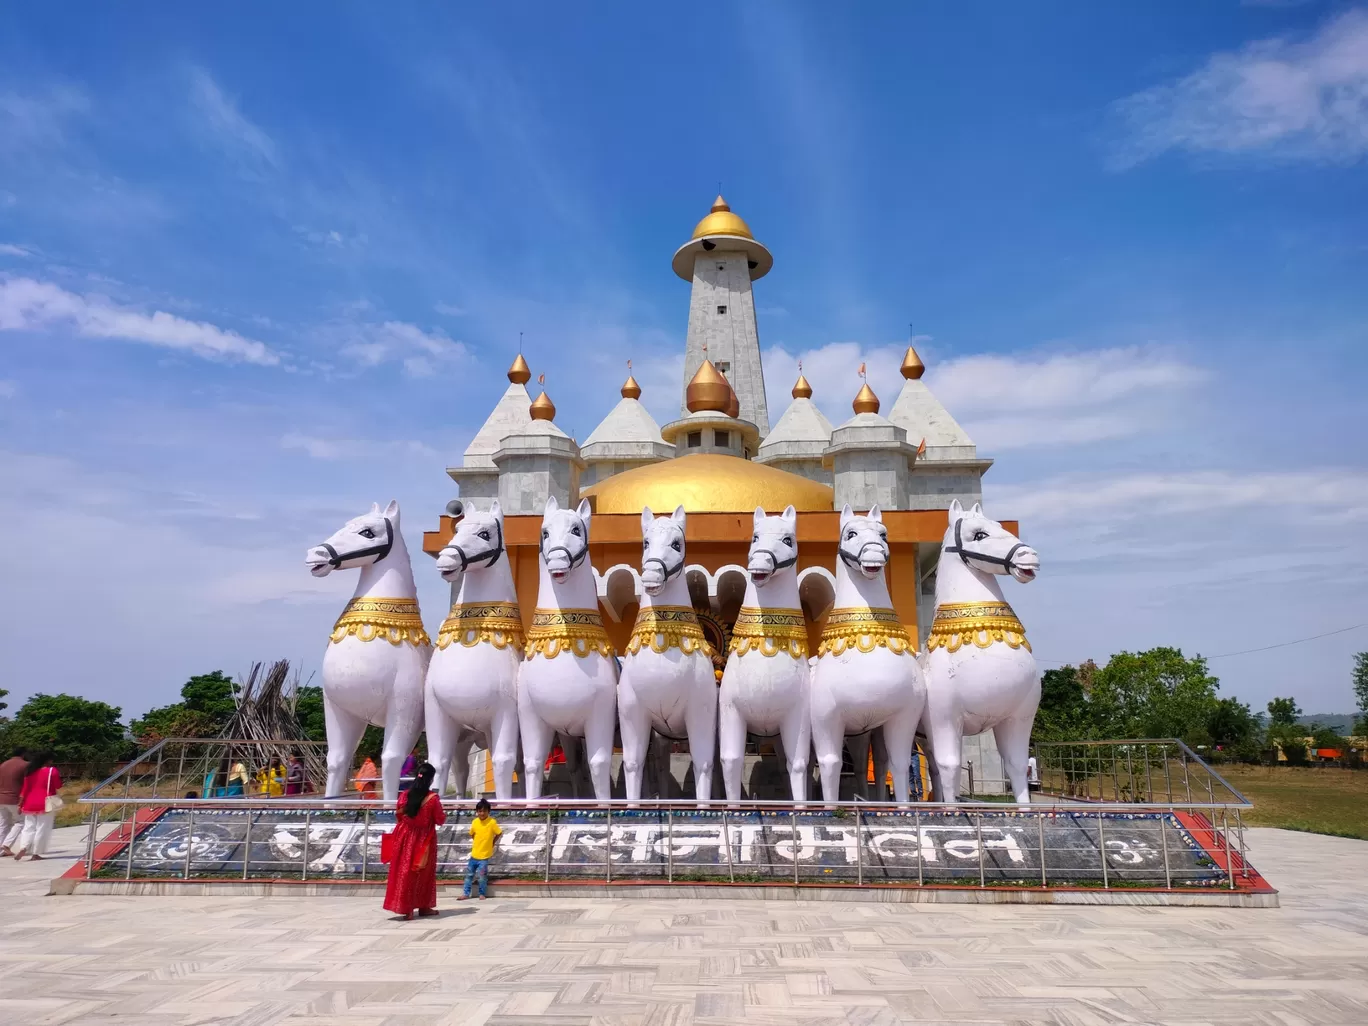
x=1317 y=800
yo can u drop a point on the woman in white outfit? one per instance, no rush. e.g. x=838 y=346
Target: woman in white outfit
x=38 y=802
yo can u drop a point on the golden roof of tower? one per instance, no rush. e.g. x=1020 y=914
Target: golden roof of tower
x=865 y=400
x=801 y=388
x=733 y=402
x=708 y=483
x=519 y=373
x=721 y=221
x=630 y=388
x=708 y=389
x=542 y=408
x=912 y=366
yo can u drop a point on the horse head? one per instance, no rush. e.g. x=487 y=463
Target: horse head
x=477 y=544
x=564 y=538
x=362 y=541
x=774 y=545
x=986 y=546
x=662 y=549
x=864 y=542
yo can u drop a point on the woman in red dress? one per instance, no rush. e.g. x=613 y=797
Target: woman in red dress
x=413 y=863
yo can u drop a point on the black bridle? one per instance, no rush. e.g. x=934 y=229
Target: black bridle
x=778 y=565
x=488 y=558
x=576 y=558
x=967 y=554
x=380 y=551
x=665 y=568
x=854 y=561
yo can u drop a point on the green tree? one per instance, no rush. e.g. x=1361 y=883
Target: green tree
x=1158 y=693
x=1325 y=737
x=1063 y=713
x=309 y=713
x=74 y=729
x=1361 y=691
x=1234 y=727
x=206 y=706
x=3 y=693
x=1283 y=712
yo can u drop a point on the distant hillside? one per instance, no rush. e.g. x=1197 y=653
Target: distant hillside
x=1341 y=723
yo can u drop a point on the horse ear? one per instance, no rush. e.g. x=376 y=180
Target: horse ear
x=790 y=514
x=956 y=510
x=759 y=515
x=375 y=507
x=876 y=514
x=585 y=511
x=977 y=510
x=496 y=511
x=551 y=504
x=646 y=517
x=846 y=514
x=392 y=510
x=678 y=516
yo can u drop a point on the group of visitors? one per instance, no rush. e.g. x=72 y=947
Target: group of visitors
x=411 y=850
x=233 y=779
x=29 y=783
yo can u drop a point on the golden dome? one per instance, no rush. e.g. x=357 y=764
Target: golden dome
x=912 y=367
x=722 y=222
x=519 y=373
x=865 y=400
x=733 y=403
x=708 y=390
x=708 y=483
x=630 y=388
x=542 y=408
x=801 y=388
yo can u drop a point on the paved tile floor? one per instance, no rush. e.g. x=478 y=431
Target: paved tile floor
x=288 y=961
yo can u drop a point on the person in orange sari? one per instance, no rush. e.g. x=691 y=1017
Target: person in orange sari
x=366 y=778
x=412 y=881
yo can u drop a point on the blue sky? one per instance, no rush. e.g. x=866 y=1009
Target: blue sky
x=261 y=267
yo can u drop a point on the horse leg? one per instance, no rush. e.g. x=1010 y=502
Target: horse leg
x=878 y=743
x=401 y=735
x=1013 y=738
x=598 y=742
x=536 y=744
x=947 y=748
x=828 y=738
x=503 y=747
x=659 y=762
x=795 y=733
x=344 y=734
x=460 y=762
x=731 y=738
x=700 y=727
x=636 y=737
x=859 y=758
x=900 y=737
x=443 y=737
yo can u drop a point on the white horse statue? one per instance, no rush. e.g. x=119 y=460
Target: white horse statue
x=866 y=674
x=374 y=668
x=568 y=680
x=472 y=684
x=667 y=682
x=765 y=683
x=979 y=669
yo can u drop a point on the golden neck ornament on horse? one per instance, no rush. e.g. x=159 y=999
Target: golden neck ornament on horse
x=864 y=630
x=981 y=623
x=661 y=628
x=577 y=631
x=396 y=620
x=769 y=632
x=472 y=623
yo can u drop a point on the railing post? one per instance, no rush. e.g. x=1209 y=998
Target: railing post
x=548 y=846
x=726 y=840
x=189 y=845
x=1040 y=826
x=1168 y=778
x=1187 y=775
x=921 y=870
x=180 y=772
x=365 y=843
x=308 y=822
x=1102 y=849
x=608 y=846
x=90 y=842
x=132 y=836
x=156 y=780
x=859 y=850
x=978 y=832
x=669 y=845
x=247 y=846
x=1230 y=854
x=1163 y=840
x=1116 y=776
x=1149 y=780
x=1239 y=828
x=793 y=820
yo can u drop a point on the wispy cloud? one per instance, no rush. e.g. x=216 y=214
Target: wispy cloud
x=1304 y=100
x=332 y=449
x=450 y=310
x=227 y=125
x=29 y=305
x=421 y=353
x=34 y=121
x=9 y=249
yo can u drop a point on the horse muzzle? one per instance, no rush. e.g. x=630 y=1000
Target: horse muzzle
x=318 y=561
x=652 y=582
x=450 y=566
x=1025 y=565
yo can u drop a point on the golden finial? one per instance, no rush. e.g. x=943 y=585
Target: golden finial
x=865 y=399
x=721 y=221
x=801 y=388
x=912 y=367
x=708 y=390
x=733 y=404
x=542 y=407
x=630 y=388
x=519 y=373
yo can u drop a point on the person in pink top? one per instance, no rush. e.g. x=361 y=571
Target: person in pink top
x=40 y=783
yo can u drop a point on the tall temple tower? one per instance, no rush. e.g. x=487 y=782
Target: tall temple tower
x=721 y=261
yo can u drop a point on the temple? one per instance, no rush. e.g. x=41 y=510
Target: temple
x=721 y=459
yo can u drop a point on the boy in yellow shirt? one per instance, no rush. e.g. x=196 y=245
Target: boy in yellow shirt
x=484 y=835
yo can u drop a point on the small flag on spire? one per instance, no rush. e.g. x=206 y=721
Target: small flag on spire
x=921 y=449
x=541 y=379
x=862 y=370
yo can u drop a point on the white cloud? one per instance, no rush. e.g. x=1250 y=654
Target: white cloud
x=333 y=449
x=1293 y=100
x=421 y=353
x=228 y=125
x=31 y=122
x=1004 y=401
x=450 y=310
x=29 y=305
x=9 y=249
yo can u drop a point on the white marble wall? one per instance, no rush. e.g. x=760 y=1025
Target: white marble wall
x=722 y=279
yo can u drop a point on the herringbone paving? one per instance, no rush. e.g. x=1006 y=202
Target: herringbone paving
x=291 y=961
